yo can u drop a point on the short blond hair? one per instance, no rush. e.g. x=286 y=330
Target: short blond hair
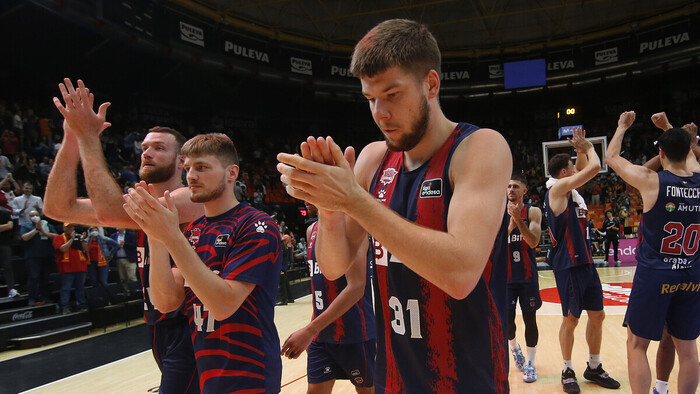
x=216 y=144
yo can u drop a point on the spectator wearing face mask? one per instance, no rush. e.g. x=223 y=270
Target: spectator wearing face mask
x=100 y=251
x=38 y=256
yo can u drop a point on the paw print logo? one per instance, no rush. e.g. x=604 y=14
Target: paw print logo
x=260 y=227
x=381 y=194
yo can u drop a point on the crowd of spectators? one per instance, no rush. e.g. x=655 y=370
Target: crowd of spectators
x=31 y=134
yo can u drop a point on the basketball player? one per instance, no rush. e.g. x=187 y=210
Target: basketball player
x=577 y=279
x=666 y=287
x=524 y=230
x=161 y=165
x=435 y=209
x=228 y=264
x=340 y=338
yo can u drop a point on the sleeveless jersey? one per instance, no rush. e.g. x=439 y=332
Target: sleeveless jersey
x=241 y=352
x=151 y=315
x=571 y=244
x=670 y=233
x=357 y=324
x=522 y=265
x=428 y=341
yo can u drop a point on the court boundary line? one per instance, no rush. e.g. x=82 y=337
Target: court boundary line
x=86 y=371
x=292 y=381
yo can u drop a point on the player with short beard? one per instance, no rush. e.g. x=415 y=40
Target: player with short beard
x=227 y=266
x=431 y=196
x=161 y=164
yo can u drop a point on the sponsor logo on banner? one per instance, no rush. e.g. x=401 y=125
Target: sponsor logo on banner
x=341 y=72
x=495 y=71
x=240 y=50
x=560 y=65
x=605 y=56
x=191 y=34
x=454 y=75
x=675 y=39
x=301 y=66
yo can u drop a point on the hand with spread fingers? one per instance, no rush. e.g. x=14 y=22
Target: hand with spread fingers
x=579 y=141
x=158 y=221
x=77 y=109
x=323 y=175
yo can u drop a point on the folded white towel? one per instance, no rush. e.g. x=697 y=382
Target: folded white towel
x=578 y=198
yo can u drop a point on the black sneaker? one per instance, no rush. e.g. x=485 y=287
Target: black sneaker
x=568 y=379
x=600 y=377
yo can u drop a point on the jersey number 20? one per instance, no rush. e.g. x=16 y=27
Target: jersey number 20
x=681 y=240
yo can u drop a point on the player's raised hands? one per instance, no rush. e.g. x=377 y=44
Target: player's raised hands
x=626 y=119
x=579 y=141
x=328 y=186
x=660 y=120
x=692 y=129
x=77 y=109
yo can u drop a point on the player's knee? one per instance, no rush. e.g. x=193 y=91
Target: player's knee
x=635 y=342
x=570 y=322
x=596 y=317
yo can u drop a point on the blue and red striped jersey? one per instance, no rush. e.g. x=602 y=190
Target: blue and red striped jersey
x=571 y=242
x=242 y=352
x=670 y=230
x=357 y=324
x=428 y=341
x=151 y=315
x=522 y=265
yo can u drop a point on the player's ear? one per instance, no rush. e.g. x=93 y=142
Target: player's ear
x=180 y=162
x=432 y=79
x=232 y=172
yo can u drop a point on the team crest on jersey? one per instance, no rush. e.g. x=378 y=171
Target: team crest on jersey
x=431 y=188
x=388 y=176
x=670 y=207
x=260 y=226
x=194 y=236
x=221 y=241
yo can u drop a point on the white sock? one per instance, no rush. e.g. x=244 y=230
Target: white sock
x=661 y=386
x=531 y=351
x=594 y=361
x=514 y=344
x=568 y=365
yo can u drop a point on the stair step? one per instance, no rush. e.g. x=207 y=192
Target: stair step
x=14 y=302
x=33 y=326
x=50 y=336
x=26 y=313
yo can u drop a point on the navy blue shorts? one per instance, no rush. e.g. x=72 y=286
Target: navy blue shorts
x=354 y=361
x=172 y=349
x=665 y=297
x=528 y=293
x=579 y=289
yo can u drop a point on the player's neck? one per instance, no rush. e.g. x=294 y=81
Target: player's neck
x=222 y=204
x=676 y=168
x=439 y=130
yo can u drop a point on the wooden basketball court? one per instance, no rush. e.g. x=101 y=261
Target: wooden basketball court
x=139 y=373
